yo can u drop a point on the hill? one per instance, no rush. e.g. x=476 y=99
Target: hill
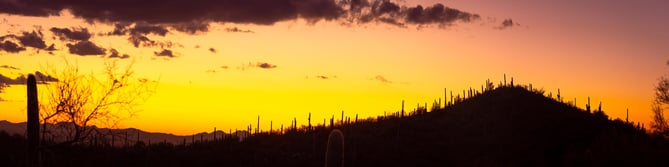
x=132 y=135
x=508 y=126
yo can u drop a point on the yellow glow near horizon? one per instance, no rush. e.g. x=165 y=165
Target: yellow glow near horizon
x=195 y=94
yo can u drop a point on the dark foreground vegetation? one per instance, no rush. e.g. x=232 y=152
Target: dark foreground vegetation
x=508 y=126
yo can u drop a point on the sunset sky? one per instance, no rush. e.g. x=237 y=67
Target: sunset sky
x=223 y=63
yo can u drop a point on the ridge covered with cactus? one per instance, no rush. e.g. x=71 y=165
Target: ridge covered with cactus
x=509 y=125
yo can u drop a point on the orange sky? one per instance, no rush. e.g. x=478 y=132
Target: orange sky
x=584 y=48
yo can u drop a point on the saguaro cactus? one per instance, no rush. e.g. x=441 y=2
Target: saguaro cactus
x=334 y=152
x=587 y=106
x=33 y=122
x=511 y=81
x=309 y=119
x=402 y=109
x=627 y=114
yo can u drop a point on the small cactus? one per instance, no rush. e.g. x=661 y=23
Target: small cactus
x=511 y=81
x=402 y=109
x=587 y=106
x=627 y=114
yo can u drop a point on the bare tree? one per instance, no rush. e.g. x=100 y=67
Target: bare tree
x=659 y=122
x=78 y=101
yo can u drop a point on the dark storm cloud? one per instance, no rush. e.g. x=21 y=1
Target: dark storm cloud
x=32 y=39
x=27 y=39
x=80 y=34
x=194 y=15
x=84 y=48
x=11 y=47
x=148 y=29
x=138 y=34
x=192 y=27
x=165 y=53
x=138 y=29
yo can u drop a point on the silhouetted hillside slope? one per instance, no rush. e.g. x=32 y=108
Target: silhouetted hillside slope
x=505 y=127
x=508 y=126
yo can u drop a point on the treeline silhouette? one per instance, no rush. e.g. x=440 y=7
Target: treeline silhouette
x=503 y=125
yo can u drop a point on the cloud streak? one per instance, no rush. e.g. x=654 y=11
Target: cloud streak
x=85 y=48
x=21 y=80
x=265 y=65
x=9 y=67
x=81 y=34
x=380 y=78
x=195 y=15
x=164 y=53
x=507 y=23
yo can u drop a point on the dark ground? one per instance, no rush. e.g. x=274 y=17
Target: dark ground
x=508 y=126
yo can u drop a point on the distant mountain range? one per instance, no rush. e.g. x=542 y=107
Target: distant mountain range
x=133 y=135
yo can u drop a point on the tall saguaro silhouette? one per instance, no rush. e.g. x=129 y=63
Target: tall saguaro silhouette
x=334 y=152
x=33 y=122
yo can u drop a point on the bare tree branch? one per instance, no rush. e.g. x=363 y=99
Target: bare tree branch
x=85 y=100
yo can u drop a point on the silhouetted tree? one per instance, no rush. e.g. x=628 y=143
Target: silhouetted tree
x=659 y=122
x=82 y=100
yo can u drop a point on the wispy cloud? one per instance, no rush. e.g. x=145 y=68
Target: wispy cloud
x=115 y=54
x=165 y=53
x=235 y=29
x=9 y=67
x=383 y=79
x=265 y=65
x=323 y=77
x=507 y=23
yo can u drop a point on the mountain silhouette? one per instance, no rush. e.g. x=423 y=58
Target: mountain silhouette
x=133 y=135
x=507 y=126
